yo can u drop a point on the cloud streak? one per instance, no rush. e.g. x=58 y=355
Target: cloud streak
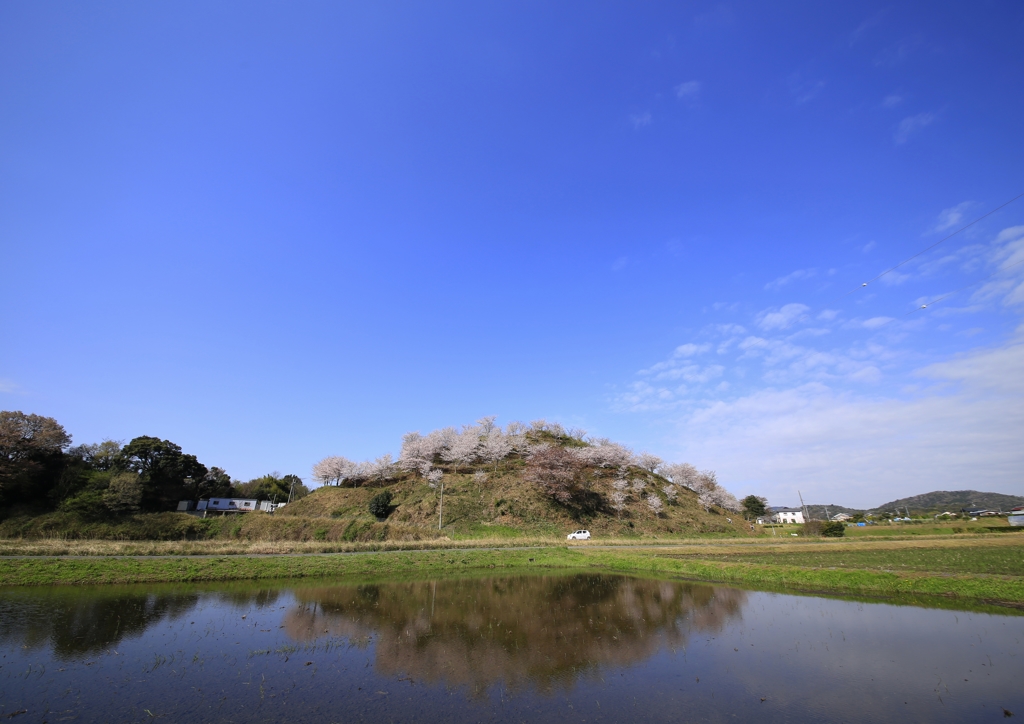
x=853 y=408
x=911 y=125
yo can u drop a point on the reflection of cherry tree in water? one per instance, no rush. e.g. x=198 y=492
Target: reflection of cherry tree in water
x=544 y=631
x=76 y=623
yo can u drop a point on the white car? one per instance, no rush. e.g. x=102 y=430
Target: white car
x=579 y=535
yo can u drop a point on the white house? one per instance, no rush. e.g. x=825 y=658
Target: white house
x=788 y=515
x=841 y=517
x=237 y=505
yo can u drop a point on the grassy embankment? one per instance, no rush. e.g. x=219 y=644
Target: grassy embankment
x=987 y=568
x=480 y=501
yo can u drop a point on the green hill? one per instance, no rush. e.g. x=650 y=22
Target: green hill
x=952 y=500
x=818 y=512
x=496 y=504
x=494 y=486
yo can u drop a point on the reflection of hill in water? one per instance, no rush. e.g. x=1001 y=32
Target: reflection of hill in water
x=543 y=631
x=78 y=623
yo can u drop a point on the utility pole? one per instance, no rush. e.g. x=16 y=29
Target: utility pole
x=807 y=515
x=440 y=508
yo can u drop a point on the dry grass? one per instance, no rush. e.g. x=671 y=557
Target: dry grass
x=693 y=547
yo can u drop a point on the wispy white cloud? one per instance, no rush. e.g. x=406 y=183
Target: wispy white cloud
x=689 y=90
x=690 y=349
x=950 y=217
x=727 y=329
x=844 y=406
x=911 y=124
x=691 y=373
x=875 y=322
x=782 y=281
x=782 y=318
x=861 y=30
x=802 y=89
x=892 y=100
x=894 y=278
x=639 y=120
x=899 y=51
x=862 y=450
x=9 y=386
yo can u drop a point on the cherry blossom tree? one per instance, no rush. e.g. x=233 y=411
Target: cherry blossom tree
x=486 y=424
x=654 y=503
x=562 y=477
x=416 y=450
x=649 y=462
x=433 y=477
x=671 y=493
x=605 y=454
x=727 y=500
x=618 y=499
x=334 y=470
x=576 y=433
x=463 y=447
x=706 y=487
x=382 y=469
x=495 y=446
x=515 y=428
x=682 y=474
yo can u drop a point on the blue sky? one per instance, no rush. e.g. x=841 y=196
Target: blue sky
x=273 y=232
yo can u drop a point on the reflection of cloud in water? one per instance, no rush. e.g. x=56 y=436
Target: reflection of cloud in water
x=544 y=631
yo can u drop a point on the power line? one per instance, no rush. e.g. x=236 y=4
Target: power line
x=979 y=281
x=929 y=248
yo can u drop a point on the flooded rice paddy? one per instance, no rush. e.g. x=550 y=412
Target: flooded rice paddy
x=562 y=648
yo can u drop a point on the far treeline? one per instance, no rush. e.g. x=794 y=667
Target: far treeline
x=40 y=470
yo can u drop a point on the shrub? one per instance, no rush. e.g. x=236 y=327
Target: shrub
x=813 y=528
x=380 y=504
x=833 y=529
x=87 y=504
x=828 y=529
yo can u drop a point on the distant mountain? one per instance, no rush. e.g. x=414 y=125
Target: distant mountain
x=951 y=500
x=818 y=512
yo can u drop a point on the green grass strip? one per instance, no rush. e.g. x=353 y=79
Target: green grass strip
x=69 y=571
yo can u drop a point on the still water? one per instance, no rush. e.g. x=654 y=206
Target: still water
x=562 y=648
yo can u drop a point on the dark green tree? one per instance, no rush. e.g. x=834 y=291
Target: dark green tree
x=215 y=484
x=380 y=504
x=754 y=506
x=273 y=486
x=31 y=456
x=164 y=471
